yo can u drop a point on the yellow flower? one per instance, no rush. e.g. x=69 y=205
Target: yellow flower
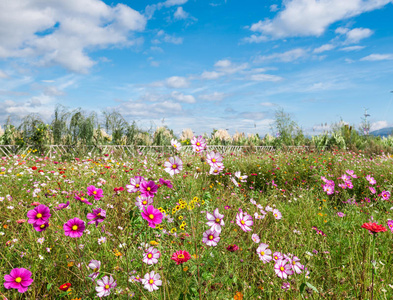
x=180 y=218
x=173 y=230
x=195 y=199
x=154 y=243
x=70 y=264
x=185 y=269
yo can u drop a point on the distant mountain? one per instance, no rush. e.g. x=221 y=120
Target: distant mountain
x=382 y=132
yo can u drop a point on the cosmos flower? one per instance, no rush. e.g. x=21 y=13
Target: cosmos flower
x=151 y=256
x=166 y=182
x=214 y=158
x=19 y=278
x=283 y=269
x=277 y=214
x=181 y=256
x=95 y=266
x=264 y=253
x=152 y=215
x=242 y=178
x=97 y=216
x=142 y=202
x=175 y=144
x=39 y=215
x=41 y=227
x=135 y=184
x=173 y=166
x=255 y=238
x=105 y=285
x=151 y=281
x=244 y=220
x=198 y=143
x=148 y=188
x=62 y=206
x=371 y=180
x=385 y=195
x=74 y=228
x=95 y=192
x=82 y=199
x=215 y=220
x=211 y=237
x=217 y=169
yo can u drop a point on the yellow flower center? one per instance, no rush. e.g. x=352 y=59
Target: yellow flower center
x=39 y=215
x=137 y=185
x=174 y=166
x=181 y=256
x=42 y=226
x=262 y=253
x=276 y=257
x=95 y=192
x=242 y=222
x=75 y=227
x=99 y=214
x=218 y=220
x=83 y=199
x=282 y=269
x=149 y=255
x=211 y=237
x=18 y=279
x=151 y=216
x=148 y=189
x=213 y=160
x=294 y=262
x=276 y=215
x=107 y=286
x=175 y=146
x=151 y=281
x=215 y=171
x=95 y=270
x=198 y=144
x=144 y=202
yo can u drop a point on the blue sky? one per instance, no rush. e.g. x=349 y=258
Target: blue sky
x=200 y=64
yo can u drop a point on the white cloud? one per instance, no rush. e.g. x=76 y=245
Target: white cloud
x=324 y=48
x=211 y=75
x=355 y=35
x=273 y=7
x=169 y=3
x=3 y=75
x=268 y=104
x=225 y=63
x=287 y=56
x=180 y=14
x=61 y=32
x=312 y=17
x=265 y=77
x=182 y=98
x=255 y=39
x=151 y=9
x=167 y=38
x=150 y=111
x=377 y=57
x=216 y=96
x=341 y=30
x=227 y=67
x=176 y=82
x=378 y=125
x=352 y=48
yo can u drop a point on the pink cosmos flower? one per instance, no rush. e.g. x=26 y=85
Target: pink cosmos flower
x=74 y=228
x=82 y=199
x=242 y=178
x=148 y=188
x=255 y=238
x=385 y=195
x=277 y=214
x=95 y=192
x=151 y=256
x=373 y=191
x=244 y=220
x=19 y=278
x=62 y=205
x=198 y=143
x=39 y=215
x=277 y=256
x=173 y=166
x=152 y=215
x=295 y=264
x=166 y=182
x=286 y=286
x=390 y=224
x=95 y=266
x=135 y=184
x=217 y=169
x=181 y=256
x=211 y=237
x=97 y=216
x=151 y=281
x=215 y=220
x=175 y=144
x=142 y=202
x=264 y=253
x=283 y=269
x=341 y=214
x=41 y=227
x=371 y=180
x=213 y=159
x=105 y=285
x=352 y=173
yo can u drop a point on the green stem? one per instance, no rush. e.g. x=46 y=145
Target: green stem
x=373 y=269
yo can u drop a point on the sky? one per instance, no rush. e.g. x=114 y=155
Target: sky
x=200 y=64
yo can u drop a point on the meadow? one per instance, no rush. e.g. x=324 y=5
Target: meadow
x=278 y=225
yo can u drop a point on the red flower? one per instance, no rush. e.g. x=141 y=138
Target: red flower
x=64 y=287
x=374 y=227
x=180 y=257
x=34 y=168
x=233 y=248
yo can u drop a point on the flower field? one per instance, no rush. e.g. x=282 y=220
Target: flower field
x=282 y=225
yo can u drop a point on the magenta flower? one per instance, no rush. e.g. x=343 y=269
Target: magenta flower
x=373 y=191
x=211 y=237
x=244 y=220
x=74 y=228
x=135 y=184
x=277 y=256
x=19 y=278
x=277 y=214
x=152 y=215
x=173 y=166
x=97 y=216
x=81 y=199
x=352 y=173
x=41 y=227
x=385 y=195
x=62 y=205
x=148 y=188
x=283 y=269
x=341 y=214
x=213 y=159
x=142 y=202
x=95 y=192
x=166 y=182
x=215 y=220
x=390 y=224
x=39 y=215
x=371 y=180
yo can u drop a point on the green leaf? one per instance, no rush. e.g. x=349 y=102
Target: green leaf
x=312 y=287
x=302 y=286
x=48 y=286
